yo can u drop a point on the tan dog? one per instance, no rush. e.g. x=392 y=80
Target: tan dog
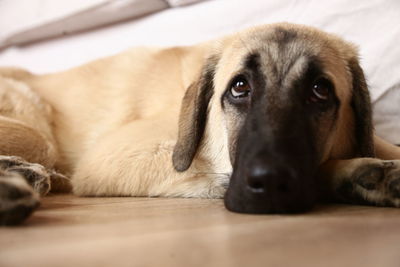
x=268 y=109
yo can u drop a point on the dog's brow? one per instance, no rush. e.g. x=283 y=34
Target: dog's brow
x=314 y=68
x=252 y=62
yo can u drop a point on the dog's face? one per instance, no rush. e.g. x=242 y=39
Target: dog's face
x=283 y=99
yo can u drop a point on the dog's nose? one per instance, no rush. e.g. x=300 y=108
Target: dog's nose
x=270 y=185
x=267 y=186
x=274 y=180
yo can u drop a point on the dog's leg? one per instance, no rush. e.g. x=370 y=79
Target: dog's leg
x=362 y=181
x=27 y=150
x=136 y=160
x=371 y=181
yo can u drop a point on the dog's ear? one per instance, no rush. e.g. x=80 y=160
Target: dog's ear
x=361 y=104
x=193 y=117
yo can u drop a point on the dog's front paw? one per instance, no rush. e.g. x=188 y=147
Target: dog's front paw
x=200 y=185
x=219 y=186
x=375 y=182
x=35 y=174
x=17 y=198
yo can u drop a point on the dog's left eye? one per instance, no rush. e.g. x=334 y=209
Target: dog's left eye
x=321 y=89
x=240 y=88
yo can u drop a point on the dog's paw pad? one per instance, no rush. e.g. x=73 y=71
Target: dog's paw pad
x=17 y=199
x=369 y=177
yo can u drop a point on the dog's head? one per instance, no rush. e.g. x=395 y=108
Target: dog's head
x=278 y=100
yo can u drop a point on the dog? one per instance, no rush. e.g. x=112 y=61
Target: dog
x=273 y=118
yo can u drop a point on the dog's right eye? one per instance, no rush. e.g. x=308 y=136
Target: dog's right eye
x=240 y=87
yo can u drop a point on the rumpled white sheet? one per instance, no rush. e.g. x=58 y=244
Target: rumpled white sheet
x=374 y=25
x=178 y=3
x=23 y=21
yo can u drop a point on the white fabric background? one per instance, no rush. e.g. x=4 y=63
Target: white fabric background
x=24 y=21
x=374 y=25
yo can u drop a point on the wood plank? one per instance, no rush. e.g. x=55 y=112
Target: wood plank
x=68 y=230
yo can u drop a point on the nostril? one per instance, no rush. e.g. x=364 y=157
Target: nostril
x=274 y=179
x=256 y=179
x=256 y=185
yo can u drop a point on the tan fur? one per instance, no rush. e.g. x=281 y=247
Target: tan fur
x=113 y=120
x=25 y=128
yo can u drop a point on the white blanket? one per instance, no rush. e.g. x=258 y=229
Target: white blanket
x=374 y=25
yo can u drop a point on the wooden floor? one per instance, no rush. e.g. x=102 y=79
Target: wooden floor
x=71 y=231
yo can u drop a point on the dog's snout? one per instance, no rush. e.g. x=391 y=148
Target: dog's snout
x=269 y=187
x=269 y=179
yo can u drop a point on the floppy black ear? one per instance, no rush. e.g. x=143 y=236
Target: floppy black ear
x=193 y=117
x=361 y=104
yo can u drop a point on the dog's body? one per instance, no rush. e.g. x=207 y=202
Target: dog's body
x=112 y=125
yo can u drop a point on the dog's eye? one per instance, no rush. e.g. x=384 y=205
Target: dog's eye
x=321 y=89
x=240 y=87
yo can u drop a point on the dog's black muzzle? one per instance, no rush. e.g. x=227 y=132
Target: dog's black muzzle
x=273 y=169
